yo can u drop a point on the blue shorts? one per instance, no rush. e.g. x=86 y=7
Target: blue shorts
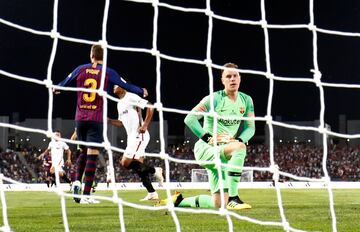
x=89 y=131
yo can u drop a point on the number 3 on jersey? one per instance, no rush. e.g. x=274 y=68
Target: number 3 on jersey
x=92 y=84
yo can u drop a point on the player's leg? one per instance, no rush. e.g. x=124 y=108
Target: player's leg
x=208 y=201
x=63 y=175
x=90 y=132
x=81 y=130
x=143 y=172
x=133 y=159
x=204 y=152
x=235 y=152
x=48 y=178
x=52 y=176
x=90 y=169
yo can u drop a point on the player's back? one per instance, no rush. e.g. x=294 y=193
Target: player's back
x=90 y=104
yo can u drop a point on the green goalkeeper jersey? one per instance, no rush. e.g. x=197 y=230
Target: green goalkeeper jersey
x=224 y=106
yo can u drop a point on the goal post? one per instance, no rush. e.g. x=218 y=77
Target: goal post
x=201 y=175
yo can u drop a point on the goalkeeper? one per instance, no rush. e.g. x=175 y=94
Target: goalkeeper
x=231 y=148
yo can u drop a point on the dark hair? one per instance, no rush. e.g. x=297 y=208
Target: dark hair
x=229 y=65
x=97 y=52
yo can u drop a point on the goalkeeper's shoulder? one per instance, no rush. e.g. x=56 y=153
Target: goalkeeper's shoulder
x=244 y=95
x=247 y=98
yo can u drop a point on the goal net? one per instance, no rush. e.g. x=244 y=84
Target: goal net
x=206 y=62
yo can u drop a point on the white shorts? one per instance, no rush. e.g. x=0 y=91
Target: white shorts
x=57 y=167
x=136 y=145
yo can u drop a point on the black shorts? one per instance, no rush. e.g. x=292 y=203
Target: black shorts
x=89 y=131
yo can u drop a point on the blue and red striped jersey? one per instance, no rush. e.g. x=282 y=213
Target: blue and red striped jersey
x=89 y=105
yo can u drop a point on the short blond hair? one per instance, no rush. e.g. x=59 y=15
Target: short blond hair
x=229 y=65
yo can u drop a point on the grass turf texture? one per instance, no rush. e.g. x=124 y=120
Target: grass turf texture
x=306 y=209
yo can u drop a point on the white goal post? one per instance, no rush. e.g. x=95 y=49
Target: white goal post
x=201 y=175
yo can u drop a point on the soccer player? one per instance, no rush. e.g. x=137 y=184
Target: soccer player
x=129 y=116
x=56 y=149
x=89 y=115
x=46 y=158
x=232 y=148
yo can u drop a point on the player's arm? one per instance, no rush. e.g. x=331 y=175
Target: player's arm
x=147 y=120
x=74 y=135
x=68 y=154
x=192 y=120
x=115 y=78
x=249 y=125
x=69 y=79
x=115 y=122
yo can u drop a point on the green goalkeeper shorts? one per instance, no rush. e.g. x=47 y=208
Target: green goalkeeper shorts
x=206 y=152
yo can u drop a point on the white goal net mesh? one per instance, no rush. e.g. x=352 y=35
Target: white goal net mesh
x=160 y=56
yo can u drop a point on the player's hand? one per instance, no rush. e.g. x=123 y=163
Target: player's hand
x=68 y=162
x=142 y=129
x=222 y=139
x=145 y=92
x=55 y=91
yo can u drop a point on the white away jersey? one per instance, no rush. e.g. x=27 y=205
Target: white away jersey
x=57 y=149
x=128 y=114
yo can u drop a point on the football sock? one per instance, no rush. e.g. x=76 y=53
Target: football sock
x=143 y=171
x=67 y=180
x=200 y=201
x=90 y=169
x=234 y=174
x=80 y=164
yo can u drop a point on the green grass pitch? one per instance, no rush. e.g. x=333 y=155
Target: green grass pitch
x=305 y=209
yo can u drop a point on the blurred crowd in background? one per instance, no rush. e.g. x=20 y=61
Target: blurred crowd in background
x=343 y=163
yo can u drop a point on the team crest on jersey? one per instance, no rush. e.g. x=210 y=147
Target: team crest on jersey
x=242 y=110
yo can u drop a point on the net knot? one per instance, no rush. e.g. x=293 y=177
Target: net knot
x=286 y=226
x=322 y=129
x=263 y=23
x=268 y=119
x=155 y=52
x=103 y=43
x=163 y=155
x=119 y=201
x=269 y=75
x=49 y=134
x=312 y=27
x=158 y=106
x=209 y=12
x=54 y=34
x=222 y=211
x=208 y=63
x=155 y=3
x=317 y=77
x=101 y=93
x=48 y=83
x=107 y=145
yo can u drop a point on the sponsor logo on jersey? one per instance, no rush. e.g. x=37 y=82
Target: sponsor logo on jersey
x=230 y=122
